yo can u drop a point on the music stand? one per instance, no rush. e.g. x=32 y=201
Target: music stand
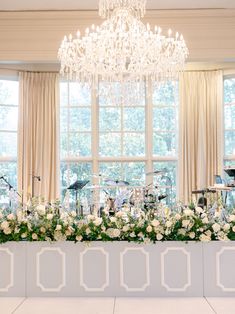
x=77 y=186
x=230 y=172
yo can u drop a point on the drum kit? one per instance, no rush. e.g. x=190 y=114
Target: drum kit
x=111 y=195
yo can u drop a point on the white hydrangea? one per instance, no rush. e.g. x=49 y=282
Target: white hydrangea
x=41 y=209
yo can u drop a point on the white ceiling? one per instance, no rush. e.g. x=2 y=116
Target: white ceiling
x=24 y=5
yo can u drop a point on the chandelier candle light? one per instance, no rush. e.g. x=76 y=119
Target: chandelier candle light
x=122 y=49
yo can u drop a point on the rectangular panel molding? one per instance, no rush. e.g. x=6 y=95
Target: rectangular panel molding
x=40 y=269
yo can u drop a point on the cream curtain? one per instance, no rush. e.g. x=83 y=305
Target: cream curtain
x=200 y=139
x=38 y=135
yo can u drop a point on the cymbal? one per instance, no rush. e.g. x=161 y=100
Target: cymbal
x=116 y=182
x=93 y=187
x=155 y=173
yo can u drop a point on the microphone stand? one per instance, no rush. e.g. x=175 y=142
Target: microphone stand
x=10 y=187
x=33 y=178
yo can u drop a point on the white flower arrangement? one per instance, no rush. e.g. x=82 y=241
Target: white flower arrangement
x=50 y=222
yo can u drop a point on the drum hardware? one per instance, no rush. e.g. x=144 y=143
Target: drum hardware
x=116 y=182
x=156 y=172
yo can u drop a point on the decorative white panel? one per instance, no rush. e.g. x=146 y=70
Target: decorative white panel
x=100 y=250
x=146 y=270
x=11 y=272
x=61 y=255
x=218 y=268
x=188 y=269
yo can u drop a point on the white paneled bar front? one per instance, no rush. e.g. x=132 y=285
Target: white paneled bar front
x=117 y=269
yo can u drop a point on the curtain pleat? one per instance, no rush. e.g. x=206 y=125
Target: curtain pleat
x=38 y=152
x=201 y=131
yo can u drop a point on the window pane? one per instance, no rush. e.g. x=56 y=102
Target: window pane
x=9 y=170
x=126 y=94
x=166 y=93
x=63 y=93
x=79 y=95
x=8 y=144
x=164 y=118
x=110 y=119
x=63 y=119
x=164 y=144
x=134 y=144
x=9 y=92
x=229 y=138
x=134 y=119
x=8 y=118
x=229 y=90
x=229 y=117
x=132 y=172
x=80 y=119
x=110 y=144
x=79 y=144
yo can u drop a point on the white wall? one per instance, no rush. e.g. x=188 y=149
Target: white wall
x=36 y=36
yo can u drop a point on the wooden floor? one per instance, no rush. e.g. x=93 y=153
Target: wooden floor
x=117 y=305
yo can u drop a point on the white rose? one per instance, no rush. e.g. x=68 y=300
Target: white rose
x=41 y=209
x=226 y=227
x=204 y=238
x=188 y=212
x=233 y=228
x=140 y=235
x=208 y=233
x=199 y=210
x=231 y=218
x=205 y=220
x=159 y=236
x=185 y=223
x=113 y=219
x=216 y=227
x=168 y=224
x=116 y=233
x=24 y=235
x=79 y=238
x=49 y=216
x=155 y=223
x=7 y=230
x=4 y=225
x=177 y=217
x=34 y=236
x=10 y=217
x=192 y=235
x=149 y=229
x=58 y=228
x=43 y=230
x=98 y=221
x=88 y=231
x=125 y=228
x=119 y=214
x=132 y=235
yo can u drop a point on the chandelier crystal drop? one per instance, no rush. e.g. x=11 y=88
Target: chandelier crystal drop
x=122 y=49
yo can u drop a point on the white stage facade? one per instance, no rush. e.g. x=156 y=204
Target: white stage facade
x=66 y=269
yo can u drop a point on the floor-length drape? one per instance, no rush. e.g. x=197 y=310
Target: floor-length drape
x=200 y=138
x=38 y=135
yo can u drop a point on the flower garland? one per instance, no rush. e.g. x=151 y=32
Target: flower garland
x=49 y=222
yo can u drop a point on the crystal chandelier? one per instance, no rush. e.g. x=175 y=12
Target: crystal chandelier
x=122 y=49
